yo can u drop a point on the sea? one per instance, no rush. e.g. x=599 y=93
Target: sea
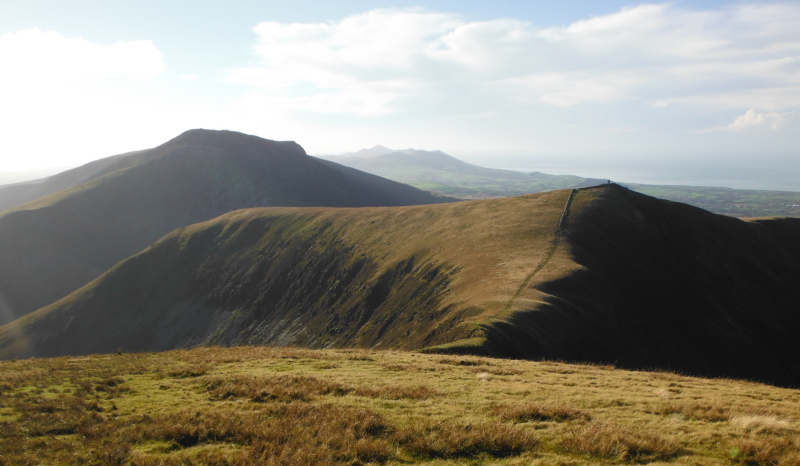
x=768 y=177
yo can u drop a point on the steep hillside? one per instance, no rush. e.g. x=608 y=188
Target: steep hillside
x=387 y=277
x=603 y=275
x=58 y=243
x=437 y=171
x=666 y=285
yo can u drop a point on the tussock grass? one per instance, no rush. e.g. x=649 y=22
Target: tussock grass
x=453 y=440
x=766 y=451
x=762 y=424
x=397 y=392
x=697 y=411
x=282 y=388
x=188 y=371
x=289 y=406
x=62 y=415
x=539 y=412
x=615 y=442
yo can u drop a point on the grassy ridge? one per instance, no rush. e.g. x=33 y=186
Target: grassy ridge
x=295 y=406
x=403 y=277
x=602 y=275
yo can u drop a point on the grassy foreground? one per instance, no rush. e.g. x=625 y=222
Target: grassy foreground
x=261 y=405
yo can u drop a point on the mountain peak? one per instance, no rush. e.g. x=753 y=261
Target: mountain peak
x=232 y=140
x=374 y=151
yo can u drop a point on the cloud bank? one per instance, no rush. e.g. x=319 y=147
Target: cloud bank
x=49 y=57
x=654 y=55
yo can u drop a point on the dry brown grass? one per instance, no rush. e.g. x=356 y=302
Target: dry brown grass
x=187 y=371
x=539 y=412
x=397 y=392
x=292 y=406
x=697 y=411
x=615 y=442
x=760 y=424
x=765 y=451
x=281 y=388
x=431 y=440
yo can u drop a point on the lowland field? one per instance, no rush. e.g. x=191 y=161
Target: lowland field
x=260 y=405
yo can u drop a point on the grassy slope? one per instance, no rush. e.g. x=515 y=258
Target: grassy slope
x=56 y=244
x=391 y=277
x=626 y=279
x=293 y=406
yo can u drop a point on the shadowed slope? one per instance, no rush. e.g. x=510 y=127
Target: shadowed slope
x=602 y=274
x=665 y=285
x=56 y=244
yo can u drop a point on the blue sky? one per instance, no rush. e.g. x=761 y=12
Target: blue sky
x=530 y=85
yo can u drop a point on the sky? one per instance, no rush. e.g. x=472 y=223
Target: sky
x=692 y=92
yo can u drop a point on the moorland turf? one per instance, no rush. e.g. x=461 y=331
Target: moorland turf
x=257 y=405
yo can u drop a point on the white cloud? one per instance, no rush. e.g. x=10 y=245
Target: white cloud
x=42 y=57
x=754 y=120
x=373 y=63
x=63 y=97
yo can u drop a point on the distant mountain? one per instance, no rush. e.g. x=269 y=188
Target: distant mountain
x=371 y=152
x=439 y=172
x=114 y=207
x=602 y=275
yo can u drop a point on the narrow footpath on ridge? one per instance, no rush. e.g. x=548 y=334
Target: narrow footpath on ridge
x=551 y=250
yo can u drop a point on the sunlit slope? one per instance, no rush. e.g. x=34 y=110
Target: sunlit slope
x=666 y=285
x=56 y=244
x=601 y=274
x=405 y=277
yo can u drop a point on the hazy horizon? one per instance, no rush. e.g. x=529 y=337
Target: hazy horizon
x=741 y=173
x=617 y=87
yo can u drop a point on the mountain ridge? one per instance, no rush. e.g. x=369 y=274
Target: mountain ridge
x=602 y=275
